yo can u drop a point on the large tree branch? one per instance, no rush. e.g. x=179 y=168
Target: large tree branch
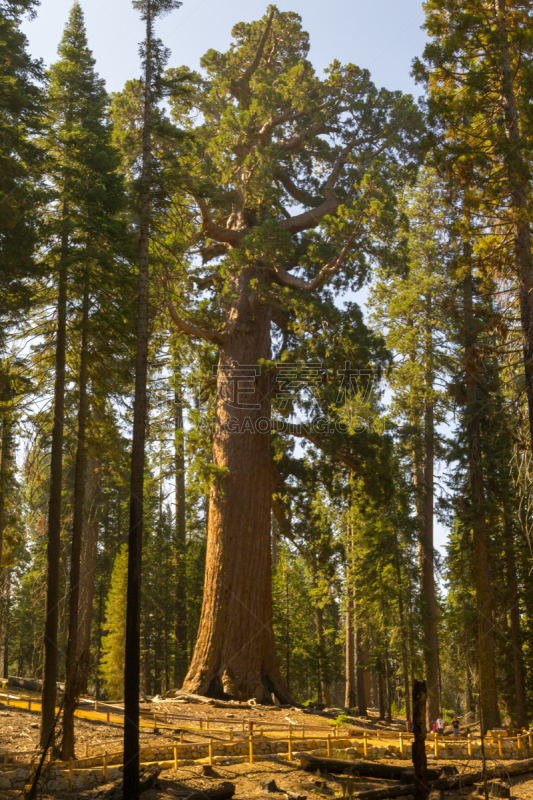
x=241 y=87
x=332 y=268
x=217 y=337
x=290 y=187
x=217 y=232
x=348 y=460
x=311 y=218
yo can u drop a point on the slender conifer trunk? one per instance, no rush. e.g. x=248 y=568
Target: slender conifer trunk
x=520 y=696
x=133 y=617
x=180 y=630
x=520 y=190
x=73 y=677
x=53 y=551
x=363 y=678
x=5 y=460
x=349 y=700
x=93 y=496
x=481 y=560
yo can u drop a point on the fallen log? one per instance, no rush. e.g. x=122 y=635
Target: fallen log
x=30 y=684
x=366 y=769
x=209 y=701
x=455 y=782
x=221 y=792
x=116 y=792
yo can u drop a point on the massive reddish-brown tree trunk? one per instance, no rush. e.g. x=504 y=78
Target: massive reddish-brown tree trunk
x=235 y=650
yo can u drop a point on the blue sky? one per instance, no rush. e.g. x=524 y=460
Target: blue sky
x=383 y=35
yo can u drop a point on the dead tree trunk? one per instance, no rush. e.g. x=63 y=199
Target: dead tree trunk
x=363 y=678
x=420 y=762
x=53 y=551
x=520 y=705
x=133 y=616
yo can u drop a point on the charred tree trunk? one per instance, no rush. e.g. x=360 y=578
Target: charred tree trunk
x=349 y=699
x=72 y=681
x=235 y=649
x=425 y=542
x=362 y=669
x=133 y=615
x=420 y=762
x=520 y=698
x=53 y=552
x=5 y=460
x=4 y=630
x=481 y=560
x=180 y=630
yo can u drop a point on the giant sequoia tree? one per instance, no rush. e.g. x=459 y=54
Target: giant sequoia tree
x=291 y=175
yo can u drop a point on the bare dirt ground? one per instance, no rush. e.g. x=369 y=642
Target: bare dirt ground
x=19 y=732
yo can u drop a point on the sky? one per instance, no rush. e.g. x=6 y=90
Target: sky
x=381 y=35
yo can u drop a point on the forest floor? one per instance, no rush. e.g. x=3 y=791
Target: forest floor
x=19 y=732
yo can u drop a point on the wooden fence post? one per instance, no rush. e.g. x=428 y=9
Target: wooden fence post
x=290 y=744
x=531 y=740
x=365 y=744
x=329 y=745
x=436 y=744
x=175 y=756
x=181 y=737
x=519 y=743
x=500 y=748
x=105 y=767
x=86 y=749
x=469 y=740
x=155 y=722
x=210 y=751
x=108 y=715
x=401 y=745
x=231 y=734
x=251 y=747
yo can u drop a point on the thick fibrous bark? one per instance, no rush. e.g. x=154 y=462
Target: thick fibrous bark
x=54 y=510
x=235 y=652
x=72 y=685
